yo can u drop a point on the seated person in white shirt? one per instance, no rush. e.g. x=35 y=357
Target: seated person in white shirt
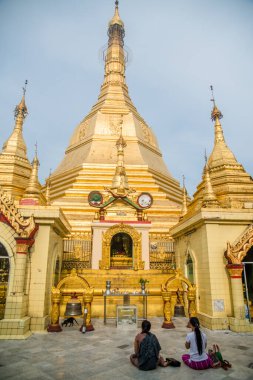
x=196 y=341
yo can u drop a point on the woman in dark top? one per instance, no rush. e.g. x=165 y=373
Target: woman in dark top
x=146 y=350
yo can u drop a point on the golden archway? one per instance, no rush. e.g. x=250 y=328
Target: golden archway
x=105 y=263
x=235 y=253
x=60 y=295
x=172 y=292
x=73 y=283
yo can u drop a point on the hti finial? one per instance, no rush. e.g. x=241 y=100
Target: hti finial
x=24 y=88
x=215 y=112
x=205 y=157
x=116 y=3
x=36 y=148
x=212 y=100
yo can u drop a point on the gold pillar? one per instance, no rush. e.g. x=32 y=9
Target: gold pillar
x=167 y=323
x=235 y=273
x=191 y=296
x=55 y=311
x=87 y=300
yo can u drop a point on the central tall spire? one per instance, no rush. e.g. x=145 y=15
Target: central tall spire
x=115 y=56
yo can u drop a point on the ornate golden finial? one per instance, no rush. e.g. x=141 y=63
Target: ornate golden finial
x=184 y=205
x=209 y=197
x=116 y=18
x=216 y=113
x=21 y=109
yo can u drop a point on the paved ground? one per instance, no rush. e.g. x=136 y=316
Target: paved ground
x=104 y=354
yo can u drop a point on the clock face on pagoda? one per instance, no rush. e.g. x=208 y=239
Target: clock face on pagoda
x=145 y=200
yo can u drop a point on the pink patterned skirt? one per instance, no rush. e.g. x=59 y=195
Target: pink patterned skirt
x=204 y=364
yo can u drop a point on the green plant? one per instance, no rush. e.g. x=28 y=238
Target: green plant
x=143 y=281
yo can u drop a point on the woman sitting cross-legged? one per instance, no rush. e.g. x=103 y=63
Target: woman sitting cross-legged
x=196 y=341
x=146 y=350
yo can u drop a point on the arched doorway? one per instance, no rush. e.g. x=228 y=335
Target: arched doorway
x=247 y=279
x=4 y=276
x=121 y=251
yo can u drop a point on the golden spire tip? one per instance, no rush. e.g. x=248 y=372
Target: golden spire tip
x=216 y=113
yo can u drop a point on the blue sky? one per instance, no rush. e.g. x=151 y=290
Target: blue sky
x=178 y=48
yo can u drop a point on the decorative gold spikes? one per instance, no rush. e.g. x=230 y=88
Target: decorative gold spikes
x=22 y=226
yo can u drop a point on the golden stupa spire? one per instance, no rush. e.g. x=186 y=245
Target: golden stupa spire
x=15 y=144
x=209 y=197
x=33 y=189
x=216 y=115
x=120 y=185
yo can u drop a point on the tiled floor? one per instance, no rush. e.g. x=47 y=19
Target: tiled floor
x=104 y=354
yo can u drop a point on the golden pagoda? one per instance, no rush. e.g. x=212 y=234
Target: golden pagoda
x=90 y=158
x=15 y=168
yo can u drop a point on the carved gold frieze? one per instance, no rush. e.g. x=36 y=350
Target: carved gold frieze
x=83 y=130
x=145 y=131
x=115 y=122
x=137 y=263
x=235 y=253
x=23 y=227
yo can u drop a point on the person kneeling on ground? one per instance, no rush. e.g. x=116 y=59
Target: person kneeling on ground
x=146 y=350
x=196 y=341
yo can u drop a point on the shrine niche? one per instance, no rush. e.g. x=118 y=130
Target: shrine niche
x=121 y=251
x=121 y=248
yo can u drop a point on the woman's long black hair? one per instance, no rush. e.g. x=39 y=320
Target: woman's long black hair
x=145 y=327
x=195 y=323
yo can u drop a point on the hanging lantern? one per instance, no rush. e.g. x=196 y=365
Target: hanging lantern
x=73 y=307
